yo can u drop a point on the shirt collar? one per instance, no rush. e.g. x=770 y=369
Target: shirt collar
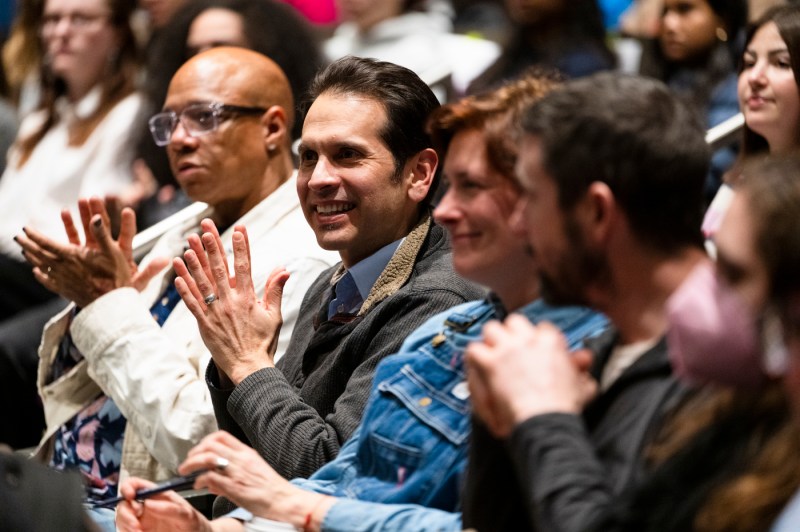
x=366 y=271
x=81 y=109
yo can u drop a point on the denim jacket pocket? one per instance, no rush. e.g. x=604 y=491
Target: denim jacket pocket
x=429 y=397
x=414 y=439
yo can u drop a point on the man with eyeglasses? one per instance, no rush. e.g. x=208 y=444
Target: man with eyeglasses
x=121 y=369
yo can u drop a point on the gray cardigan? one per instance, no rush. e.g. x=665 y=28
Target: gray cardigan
x=298 y=415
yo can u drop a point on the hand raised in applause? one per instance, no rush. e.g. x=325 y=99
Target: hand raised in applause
x=84 y=272
x=521 y=370
x=240 y=331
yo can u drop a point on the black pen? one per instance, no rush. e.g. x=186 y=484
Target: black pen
x=177 y=483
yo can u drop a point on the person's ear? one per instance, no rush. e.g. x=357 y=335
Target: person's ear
x=273 y=122
x=421 y=174
x=597 y=211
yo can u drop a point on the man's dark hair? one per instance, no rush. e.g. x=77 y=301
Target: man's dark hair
x=633 y=135
x=406 y=98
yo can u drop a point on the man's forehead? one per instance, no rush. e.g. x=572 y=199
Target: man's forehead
x=210 y=79
x=336 y=118
x=183 y=94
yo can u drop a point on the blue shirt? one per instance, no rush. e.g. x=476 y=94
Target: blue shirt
x=351 y=293
x=367 y=271
x=410 y=452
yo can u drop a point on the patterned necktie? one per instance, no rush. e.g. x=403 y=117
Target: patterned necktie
x=347 y=299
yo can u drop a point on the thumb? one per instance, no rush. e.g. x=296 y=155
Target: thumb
x=144 y=276
x=582 y=359
x=273 y=292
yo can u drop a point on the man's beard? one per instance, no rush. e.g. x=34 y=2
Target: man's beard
x=577 y=268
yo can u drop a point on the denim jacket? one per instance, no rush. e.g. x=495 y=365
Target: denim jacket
x=411 y=446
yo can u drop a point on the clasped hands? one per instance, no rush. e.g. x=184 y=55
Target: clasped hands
x=240 y=331
x=83 y=272
x=520 y=370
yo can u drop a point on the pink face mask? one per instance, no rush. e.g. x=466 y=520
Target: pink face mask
x=712 y=335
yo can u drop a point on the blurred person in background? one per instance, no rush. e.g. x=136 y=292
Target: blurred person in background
x=485 y=18
x=769 y=97
x=77 y=144
x=265 y=26
x=416 y=34
x=566 y=35
x=727 y=459
x=696 y=53
x=759 y=7
x=22 y=57
x=769 y=83
x=160 y=12
x=640 y=20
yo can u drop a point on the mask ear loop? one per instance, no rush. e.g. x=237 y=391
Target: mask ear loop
x=775 y=358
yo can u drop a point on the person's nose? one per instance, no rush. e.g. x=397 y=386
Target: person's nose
x=62 y=26
x=756 y=75
x=180 y=137
x=447 y=212
x=323 y=176
x=670 y=22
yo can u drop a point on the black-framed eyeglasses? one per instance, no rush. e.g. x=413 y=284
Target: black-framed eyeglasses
x=198 y=119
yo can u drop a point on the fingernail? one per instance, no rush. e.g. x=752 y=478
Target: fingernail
x=16 y=239
x=98 y=222
x=24 y=229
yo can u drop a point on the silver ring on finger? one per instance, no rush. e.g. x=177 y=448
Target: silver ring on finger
x=220 y=464
x=49 y=269
x=210 y=298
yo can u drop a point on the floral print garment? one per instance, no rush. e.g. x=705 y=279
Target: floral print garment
x=92 y=440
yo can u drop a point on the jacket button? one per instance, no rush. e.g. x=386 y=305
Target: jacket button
x=438 y=340
x=425 y=401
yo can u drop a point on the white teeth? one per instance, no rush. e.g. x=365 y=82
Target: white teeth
x=333 y=209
